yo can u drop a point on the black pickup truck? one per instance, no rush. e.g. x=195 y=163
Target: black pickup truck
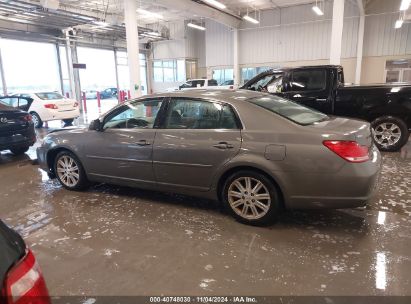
x=386 y=107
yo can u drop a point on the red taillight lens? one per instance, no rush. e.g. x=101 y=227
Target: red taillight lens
x=51 y=106
x=25 y=283
x=231 y=87
x=349 y=150
x=27 y=118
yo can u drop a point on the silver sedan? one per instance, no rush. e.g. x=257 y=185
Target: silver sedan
x=255 y=152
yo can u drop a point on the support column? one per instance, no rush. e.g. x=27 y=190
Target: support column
x=360 y=42
x=70 y=66
x=236 y=66
x=130 y=18
x=117 y=81
x=336 y=32
x=59 y=69
x=150 y=72
x=76 y=78
x=3 y=77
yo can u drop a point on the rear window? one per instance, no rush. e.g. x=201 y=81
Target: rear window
x=49 y=95
x=288 y=109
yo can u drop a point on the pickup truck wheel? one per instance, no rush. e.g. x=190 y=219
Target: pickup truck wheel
x=389 y=133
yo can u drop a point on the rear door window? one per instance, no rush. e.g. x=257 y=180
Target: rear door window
x=308 y=80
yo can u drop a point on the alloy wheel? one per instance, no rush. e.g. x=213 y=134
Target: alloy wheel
x=68 y=171
x=387 y=134
x=249 y=198
x=35 y=120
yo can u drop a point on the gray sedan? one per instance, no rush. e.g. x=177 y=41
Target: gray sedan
x=255 y=152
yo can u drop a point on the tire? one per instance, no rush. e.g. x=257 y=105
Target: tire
x=254 y=214
x=390 y=133
x=77 y=178
x=38 y=123
x=20 y=150
x=68 y=122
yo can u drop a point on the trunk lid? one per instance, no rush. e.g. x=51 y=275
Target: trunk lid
x=338 y=128
x=12 y=250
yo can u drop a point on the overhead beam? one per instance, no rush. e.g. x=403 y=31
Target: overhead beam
x=360 y=42
x=205 y=11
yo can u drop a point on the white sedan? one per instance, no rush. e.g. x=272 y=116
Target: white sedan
x=48 y=106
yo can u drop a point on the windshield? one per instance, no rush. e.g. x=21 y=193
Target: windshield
x=289 y=109
x=49 y=95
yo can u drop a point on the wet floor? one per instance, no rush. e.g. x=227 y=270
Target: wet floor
x=119 y=241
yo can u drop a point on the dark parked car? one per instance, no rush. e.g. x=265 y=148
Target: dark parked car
x=255 y=152
x=21 y=279
x=108 y=93
x=16 y=129
x=386 y=106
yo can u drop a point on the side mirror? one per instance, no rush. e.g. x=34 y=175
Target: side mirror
x=95 y=125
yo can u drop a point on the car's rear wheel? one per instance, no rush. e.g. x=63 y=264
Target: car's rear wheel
x=390 y=133
x=38 y=123
x=20 y=150
x=251 y=198
x=70 y=172
x=68 y=122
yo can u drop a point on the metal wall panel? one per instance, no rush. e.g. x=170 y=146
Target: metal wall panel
x=219 y=44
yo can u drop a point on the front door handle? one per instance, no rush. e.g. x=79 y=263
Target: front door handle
x=223 y=145
x=143 y=142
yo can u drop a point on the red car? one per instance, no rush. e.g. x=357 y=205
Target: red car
x=21 y=279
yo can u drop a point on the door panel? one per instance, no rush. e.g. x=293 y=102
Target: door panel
x=123 y=150
x=197 y=138
x=310 y=87
x=124 y=154
x=191 y=157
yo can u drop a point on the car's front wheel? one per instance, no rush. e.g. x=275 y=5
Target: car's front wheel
x=69 y=171
x=251 y=198
x=390 y=133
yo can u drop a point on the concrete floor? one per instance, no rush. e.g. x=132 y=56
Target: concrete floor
x=121 y=241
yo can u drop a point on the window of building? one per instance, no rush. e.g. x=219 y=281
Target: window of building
x=223 y=75
x=169 y=70
x=398 y=70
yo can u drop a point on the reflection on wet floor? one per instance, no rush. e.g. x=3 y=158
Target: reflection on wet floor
x=121 y=241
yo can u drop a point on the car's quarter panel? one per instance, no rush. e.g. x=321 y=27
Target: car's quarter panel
x=189 y=158
x=121 y=155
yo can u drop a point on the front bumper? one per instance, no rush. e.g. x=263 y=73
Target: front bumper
x=351 y=187
x=42 y=159
x=17 y=139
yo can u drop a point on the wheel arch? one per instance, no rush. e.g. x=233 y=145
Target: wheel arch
x=229 y=171
x=51 y=156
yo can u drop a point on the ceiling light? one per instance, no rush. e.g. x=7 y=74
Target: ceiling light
x=318 y=10
x=101 y=23
x=405 y=4
x=196 y=26
x=398 y=23
x=250 y=19
x=149 y=14
x=215 y=3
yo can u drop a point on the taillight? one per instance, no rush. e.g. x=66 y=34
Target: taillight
x=75 y=104
x=231 y=87
x=27 y=118
x=51 y=106
x=25 y=283
x=349 y=150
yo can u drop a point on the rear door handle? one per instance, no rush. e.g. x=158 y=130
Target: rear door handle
x=223 y=145
x=143 y=142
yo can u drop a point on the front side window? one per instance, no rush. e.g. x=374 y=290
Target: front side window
x=308 y=80
x=288 y=109
x=199 y=114
x=137 y=115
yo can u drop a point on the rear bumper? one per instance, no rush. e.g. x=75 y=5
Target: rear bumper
x=56 y=115
x=351 y=187
x=17 y=139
